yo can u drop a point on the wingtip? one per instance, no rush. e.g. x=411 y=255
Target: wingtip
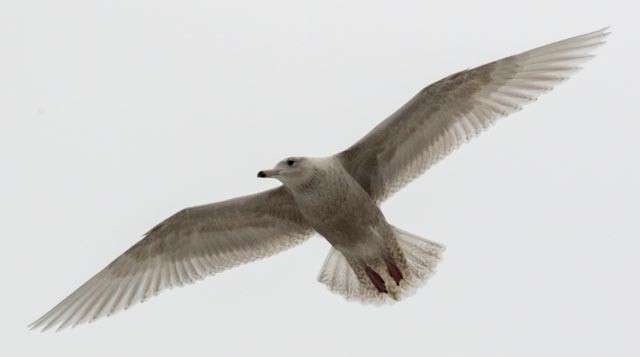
x=604 y=32
x=35 y=325
x=36 y=328
x=601 y=33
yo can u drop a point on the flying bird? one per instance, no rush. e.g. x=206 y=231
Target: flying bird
x=338 y=197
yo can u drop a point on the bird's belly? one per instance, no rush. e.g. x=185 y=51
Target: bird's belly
x=350 y=227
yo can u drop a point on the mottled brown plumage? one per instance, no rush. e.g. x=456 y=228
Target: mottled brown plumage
x=338 y=197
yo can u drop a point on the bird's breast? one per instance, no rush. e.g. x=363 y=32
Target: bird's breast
x=339 y=210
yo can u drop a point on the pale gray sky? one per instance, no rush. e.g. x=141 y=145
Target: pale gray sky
x=116 y=114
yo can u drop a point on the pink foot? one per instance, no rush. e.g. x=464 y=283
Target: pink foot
x=395 y=273
x=376 y=279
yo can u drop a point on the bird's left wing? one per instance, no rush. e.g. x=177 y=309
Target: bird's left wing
x=451 y=111
x=188 y=246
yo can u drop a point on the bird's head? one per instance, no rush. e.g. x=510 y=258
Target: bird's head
x=291 y=171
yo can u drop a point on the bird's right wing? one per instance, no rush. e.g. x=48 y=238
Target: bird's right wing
x=451 y=111
x=188 y=246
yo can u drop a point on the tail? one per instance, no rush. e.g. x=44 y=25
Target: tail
x=349 y=280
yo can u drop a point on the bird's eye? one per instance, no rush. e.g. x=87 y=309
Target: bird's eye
x=291 y=162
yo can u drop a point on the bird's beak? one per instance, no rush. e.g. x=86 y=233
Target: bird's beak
x=268 y=173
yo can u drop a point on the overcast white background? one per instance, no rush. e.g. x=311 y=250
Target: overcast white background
x=116 y=114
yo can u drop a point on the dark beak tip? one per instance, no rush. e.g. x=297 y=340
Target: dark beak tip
x=262 y=174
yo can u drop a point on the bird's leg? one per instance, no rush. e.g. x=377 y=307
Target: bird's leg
x=376 y=279
x=394 y=271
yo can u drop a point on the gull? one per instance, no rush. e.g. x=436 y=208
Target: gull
x=338 y=197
